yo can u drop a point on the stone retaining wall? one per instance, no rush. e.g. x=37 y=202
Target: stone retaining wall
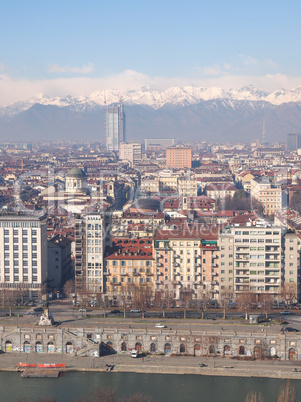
x=92 y=341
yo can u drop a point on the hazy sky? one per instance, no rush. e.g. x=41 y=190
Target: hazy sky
x=76 y=47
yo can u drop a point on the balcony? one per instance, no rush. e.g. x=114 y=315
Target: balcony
x=115 y=283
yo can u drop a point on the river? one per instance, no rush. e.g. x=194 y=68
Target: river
x=161 y=387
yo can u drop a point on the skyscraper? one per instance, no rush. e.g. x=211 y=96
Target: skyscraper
x=115 y=127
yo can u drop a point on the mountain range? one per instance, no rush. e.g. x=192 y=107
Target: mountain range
x=193 y=113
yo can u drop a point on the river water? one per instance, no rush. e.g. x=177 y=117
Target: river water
x=161 y=387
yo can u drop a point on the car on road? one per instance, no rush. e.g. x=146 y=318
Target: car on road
x=135 y=310
x=115 y=312
x=159 y=325
x=290 y=329
x=38 y=309
x=285 y=312
x=82 y=310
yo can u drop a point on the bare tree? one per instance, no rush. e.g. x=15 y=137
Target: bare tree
x=9 y=299
x=124 y=299
x=287 y=393
x=69 y=287
x=141 y=298
x=204 y=298
x=245 y=301
x=226 y=296
x=288 y=292
x=186 y=296
x=163 y=300
x=266 y=301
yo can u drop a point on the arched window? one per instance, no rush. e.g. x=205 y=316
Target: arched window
x=153 y=348
x=123 y=347
x=257 y=352
x=182 y=348
x=39 y=347
x=211 y=350
x=69 y=348
x=227 y=350
x=241 y=350
x=50 y=347
x=292 y=354
x=197 y=349
x=8 y=346
x=26 y=347
x=138 y=347
x=167 y=348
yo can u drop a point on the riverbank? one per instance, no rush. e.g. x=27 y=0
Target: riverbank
x=179 y=365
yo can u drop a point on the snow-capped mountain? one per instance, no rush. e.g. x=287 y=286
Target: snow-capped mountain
x=144 y=96
x=193 y=113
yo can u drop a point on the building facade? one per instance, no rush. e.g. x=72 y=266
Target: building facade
x=23 y=254
x=178 y=157
x=130 y=152
x=115 y=127
x=92 y=236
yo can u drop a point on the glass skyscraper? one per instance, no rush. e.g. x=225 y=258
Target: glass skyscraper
x=115 y=127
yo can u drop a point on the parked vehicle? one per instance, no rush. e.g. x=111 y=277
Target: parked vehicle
x=134 y=353
x=115 y=312
x=135 y=310
x=286 y=312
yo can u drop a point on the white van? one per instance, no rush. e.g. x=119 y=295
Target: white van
x=134 y=353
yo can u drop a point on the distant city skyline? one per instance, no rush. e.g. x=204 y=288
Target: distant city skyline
x=75 y=48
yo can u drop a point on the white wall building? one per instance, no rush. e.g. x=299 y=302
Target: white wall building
x=23 y=253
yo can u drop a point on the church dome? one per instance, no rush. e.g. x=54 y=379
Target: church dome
x=76 y=172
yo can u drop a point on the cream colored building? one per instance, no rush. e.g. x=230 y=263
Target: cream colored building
x=268 y=194
x=256 y=258
x=131 y=152
x=23 y=253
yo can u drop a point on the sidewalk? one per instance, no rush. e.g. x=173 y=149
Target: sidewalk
x=161 y=365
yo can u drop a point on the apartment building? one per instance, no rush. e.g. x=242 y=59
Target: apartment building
x=167 y=182
x=178 y=157
x=129 y=264
x=291 y=254
x=23 y=254
x=256 y=258
x=187 y=260
x=131 y=152
x=92 y=237
x=269 y=195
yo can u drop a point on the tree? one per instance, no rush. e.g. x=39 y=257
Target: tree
x=204 y=297
x=163 y=300
x=245 y=301
x=226 y=296
x=141 y=298
x=266 y=301
x=288 y=292
x=124 y=299
x=69 y=288
x=186 y=296
x=9 y=299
